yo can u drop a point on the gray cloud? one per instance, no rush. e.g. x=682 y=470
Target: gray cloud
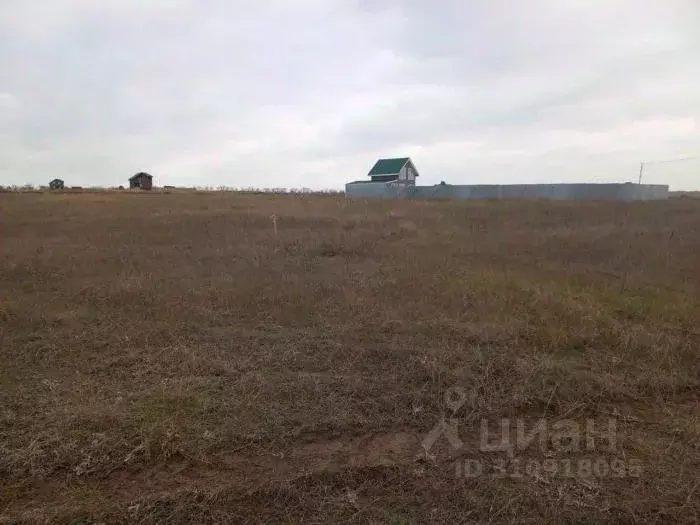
x=308 y=93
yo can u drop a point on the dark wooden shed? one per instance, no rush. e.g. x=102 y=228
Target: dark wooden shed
x=142 y=181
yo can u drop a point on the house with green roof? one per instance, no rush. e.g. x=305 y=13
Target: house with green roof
x=400 y=170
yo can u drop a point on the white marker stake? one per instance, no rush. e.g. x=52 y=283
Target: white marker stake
x=274 y=223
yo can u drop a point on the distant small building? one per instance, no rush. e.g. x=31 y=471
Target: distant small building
x=56 y=184
x=390 y=170
x=142 y=181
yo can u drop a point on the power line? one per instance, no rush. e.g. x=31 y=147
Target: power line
x=670 y=160
x=641 y=165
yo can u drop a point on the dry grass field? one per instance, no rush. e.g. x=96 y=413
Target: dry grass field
x=166 y=358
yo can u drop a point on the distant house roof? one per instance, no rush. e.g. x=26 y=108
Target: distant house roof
x=141 y=174
x=388 y=166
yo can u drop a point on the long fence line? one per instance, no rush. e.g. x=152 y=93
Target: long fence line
x=584 y=191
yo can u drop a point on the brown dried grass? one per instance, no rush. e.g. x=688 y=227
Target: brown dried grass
x=167 y=358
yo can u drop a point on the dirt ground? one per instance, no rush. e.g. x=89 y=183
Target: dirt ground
x=232 y=358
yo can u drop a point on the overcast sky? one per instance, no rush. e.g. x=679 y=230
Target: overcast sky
x=292 y=93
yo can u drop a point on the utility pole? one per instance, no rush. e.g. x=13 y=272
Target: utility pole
x=641 y=165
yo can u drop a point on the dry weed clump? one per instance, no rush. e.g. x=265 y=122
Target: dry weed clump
x=175 y=358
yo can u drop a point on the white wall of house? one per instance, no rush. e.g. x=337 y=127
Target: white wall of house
x=407 y=173
x=411 y=172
